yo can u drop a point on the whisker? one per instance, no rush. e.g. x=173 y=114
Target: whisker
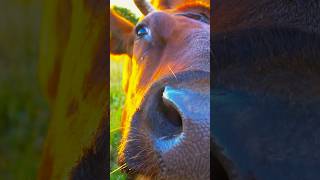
x=119 y=168
x=172 y=73
x=163 y=137
x=115 y=130
x=137 y=155
x=119 y=128
x=189 y=67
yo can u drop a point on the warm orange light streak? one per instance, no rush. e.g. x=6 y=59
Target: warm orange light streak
x=187 y=5
x=127 y=4
x=121 y=57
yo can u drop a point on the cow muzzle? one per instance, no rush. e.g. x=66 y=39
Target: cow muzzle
x=173 y=124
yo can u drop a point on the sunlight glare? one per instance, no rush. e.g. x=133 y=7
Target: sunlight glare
x=127 y=4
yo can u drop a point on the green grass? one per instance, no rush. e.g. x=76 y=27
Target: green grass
x=23 y=123
x=116 y=104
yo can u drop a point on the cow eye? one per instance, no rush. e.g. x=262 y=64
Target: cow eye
x=142 y=31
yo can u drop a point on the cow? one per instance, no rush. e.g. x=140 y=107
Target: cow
x=265 y=95
x=166 y=115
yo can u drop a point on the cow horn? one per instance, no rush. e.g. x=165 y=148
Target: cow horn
x=144 y=6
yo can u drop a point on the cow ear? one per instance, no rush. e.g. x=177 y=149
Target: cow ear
x=198 y=6
x=120 y=34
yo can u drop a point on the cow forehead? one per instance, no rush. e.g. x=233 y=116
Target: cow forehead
x=169 y=20
x=157 y=17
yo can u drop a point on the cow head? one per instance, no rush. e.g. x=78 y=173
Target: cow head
x=165 y=119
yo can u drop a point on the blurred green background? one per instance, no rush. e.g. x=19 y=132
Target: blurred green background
x=23 y=110
x=117 y=101
x=116 y=104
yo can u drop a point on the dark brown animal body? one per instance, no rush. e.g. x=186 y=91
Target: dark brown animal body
x=265 y=97
x=166 y=120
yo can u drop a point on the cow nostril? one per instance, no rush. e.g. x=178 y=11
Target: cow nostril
x=166 y=120
x=167 y=124
x=170 y=110
x=172 y=115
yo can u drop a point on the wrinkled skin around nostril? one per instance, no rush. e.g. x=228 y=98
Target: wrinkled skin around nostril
x=171 y=130
x=185 y=152
x=181 y=98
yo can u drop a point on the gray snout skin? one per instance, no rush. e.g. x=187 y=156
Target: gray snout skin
x=172 y=127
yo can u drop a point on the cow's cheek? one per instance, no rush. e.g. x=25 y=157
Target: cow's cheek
x=140 y=49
